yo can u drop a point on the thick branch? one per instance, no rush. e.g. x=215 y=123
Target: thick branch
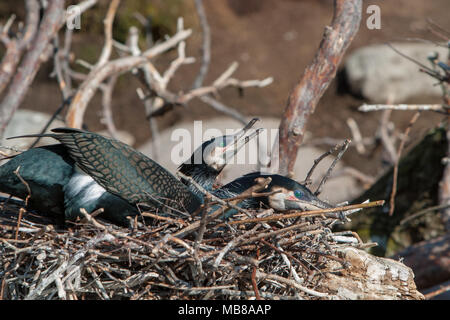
x=90 y=85
x=15 y=47
x=206 y=44
x=31 y=62
x=318 y=75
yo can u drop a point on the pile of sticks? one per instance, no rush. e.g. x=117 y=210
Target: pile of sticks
x=256 y=254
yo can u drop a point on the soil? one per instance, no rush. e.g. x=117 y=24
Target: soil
x=275 y=38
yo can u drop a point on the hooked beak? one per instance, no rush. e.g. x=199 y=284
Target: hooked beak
x=239 y=140
x=292 y=203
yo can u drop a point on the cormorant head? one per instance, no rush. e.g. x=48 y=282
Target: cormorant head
x=300 y=198
x=213 y=155
x=219 y=151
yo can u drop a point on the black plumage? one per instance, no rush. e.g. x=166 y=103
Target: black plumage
x=90 y=171
x=291 y=195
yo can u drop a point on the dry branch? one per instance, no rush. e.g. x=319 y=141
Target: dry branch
x=48 y=28
x=404 y=107
x=318 y=75
x=17 y=45
x=94 y=79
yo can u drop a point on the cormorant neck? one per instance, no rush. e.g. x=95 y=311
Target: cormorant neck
x=200 y=173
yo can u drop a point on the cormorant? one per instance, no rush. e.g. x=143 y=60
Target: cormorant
x=90 y=171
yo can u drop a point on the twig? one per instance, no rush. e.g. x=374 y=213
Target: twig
x=310 y=213
x=155 y=216
x=206 y=44
x=107 y=118
x=399 y=153
x=254 y=284
x=356 y=134
x=330 y=169
x=422 y=212
x=423 y=67
x=21 y=210
x=264 y=276
x=219 y=106
x=323 y=156
x=438 y=30
x=386 y=139
x=232 y=244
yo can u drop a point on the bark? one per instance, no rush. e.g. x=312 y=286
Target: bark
x=318 y=75
x=371 y=278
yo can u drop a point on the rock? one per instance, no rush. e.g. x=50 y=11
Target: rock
x=336 y=190
x=378 y=73
x=28 y=122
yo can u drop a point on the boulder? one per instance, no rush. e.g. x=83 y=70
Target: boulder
x=379 y=74
x=28 y=122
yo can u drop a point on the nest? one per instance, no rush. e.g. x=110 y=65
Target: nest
x=255 y=254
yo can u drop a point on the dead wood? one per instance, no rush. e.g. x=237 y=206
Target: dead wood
x=304 y=98
x=36 y=55
x=296 y=258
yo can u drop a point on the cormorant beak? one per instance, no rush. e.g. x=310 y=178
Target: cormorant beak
x=286 y=199
x=293 y=203
x=240 y=139
x=228 y=146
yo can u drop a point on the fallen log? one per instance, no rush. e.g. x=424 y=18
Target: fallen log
x=430 y=261
x=371 y=278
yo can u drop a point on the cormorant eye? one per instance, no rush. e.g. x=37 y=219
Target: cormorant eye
x=298 y=193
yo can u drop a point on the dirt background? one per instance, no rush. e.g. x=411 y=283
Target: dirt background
x=275 y=38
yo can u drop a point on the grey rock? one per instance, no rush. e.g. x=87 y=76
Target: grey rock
x=378 y=73
x=28 y=122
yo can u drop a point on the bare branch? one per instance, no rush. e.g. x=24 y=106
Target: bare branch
x=303 y=99
x=206 y=44
x=330 y=169
x=399 y=152
x=404 y=107
x=16 y=46
x=87 y=89
x=107 y=47
x=32 y=60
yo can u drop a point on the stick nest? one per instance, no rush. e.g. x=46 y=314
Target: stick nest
x=196 y=257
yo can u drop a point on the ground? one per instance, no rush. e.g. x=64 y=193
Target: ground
x=275 y=38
